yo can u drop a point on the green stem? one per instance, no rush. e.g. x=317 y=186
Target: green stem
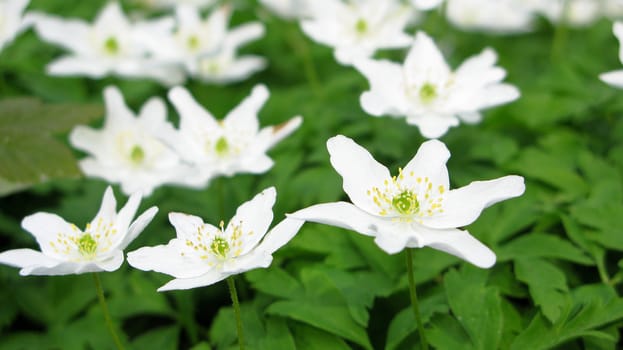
x=560 y=34
x=298 y=43
x=102 y=300
x=414 y=302
x=234 y=299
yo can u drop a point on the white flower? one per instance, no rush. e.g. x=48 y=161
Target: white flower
x=615 y=78
x=65 y=249
x=413 y=209
x=130 y=150
x=203 y=254
x=428 y=93
x=426 y=4
x=357 y=29
x=232 y=145
x=174 y=3
x=289 y=8
x=206 y=48
x=500 y=16
x=109 y=46
x=11 y=21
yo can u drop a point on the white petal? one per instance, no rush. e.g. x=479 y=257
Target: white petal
x=433 y=126
x=86 y=139
x=138 y=226
x=430 y=161
x=614 y=78
x=27 y=258
x=617 y=29
x=461 y=244
x=255 y=217
x=392 y=242
x=280 y=235
x=359 y=170
x=386 y=95
x=54 y=30
x=498 y=94
x=462 y=206
x=192 y=114
x=341 y=214
x=281 y=131
x=201 y=281
x=112 y=263
x=75 y=65
x=111 y=17
x=244 y=34
x=126 y=214
x=426 y=4
x=63 y=268
x=108 y=208
x=254 y=260
x=45 y=227
x=167 y=259
x=245 y=114
x=425 y=62
x=117 y=112
x=186 y=225
x=253 y=164
x=188 y=16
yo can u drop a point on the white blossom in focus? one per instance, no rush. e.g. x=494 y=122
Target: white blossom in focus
x=235 y=144
x=203 y=254
x=129 y=149
x=413 y=209
x=66 y=249
x=428 y=93
x=359 y=28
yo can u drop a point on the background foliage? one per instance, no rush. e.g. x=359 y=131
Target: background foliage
x=558 y=279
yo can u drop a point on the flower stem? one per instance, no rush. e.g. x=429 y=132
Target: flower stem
x=234 y=299
x=414 y=302
x=102 y=300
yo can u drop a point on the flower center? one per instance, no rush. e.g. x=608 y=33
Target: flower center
x=428 y=92
x=406 y=203
x=361 y=26
x=192 y=42
x=219 y=246
x=137 y=154
x=87 y=246
x=222 y=146
x=111 y=46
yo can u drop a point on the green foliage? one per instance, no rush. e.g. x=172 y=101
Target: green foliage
x=557 y=282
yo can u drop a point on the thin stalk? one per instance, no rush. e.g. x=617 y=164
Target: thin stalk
x=414 y=301
x=560 y=33
x=234 y=299
x=299 y=45
x=102 y=300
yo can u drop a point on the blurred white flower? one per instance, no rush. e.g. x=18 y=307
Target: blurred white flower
x=615 y=78
x=206 y=49
x=229 y=146
x=130 y=150
x=173 y=3
x=426 y=4
x=413 y=209
x=428 y=93
x=65 y=249
x=499 y=16
x=290 y=9
x=108 y=46
x=576 y=13
x=359 y=28
x=203 y=254
x=11 y=20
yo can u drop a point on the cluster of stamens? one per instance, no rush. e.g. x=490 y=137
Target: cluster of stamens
x=408 y=197
x=216 y=246
x=95 y=239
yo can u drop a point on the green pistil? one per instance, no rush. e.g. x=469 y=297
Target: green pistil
x=193 y=42
x=87 y=245
x=361 y=26
x=406 y=203
x=428 y=92
x=111 y=45
x=219 y=247
x=222 y=146
x=137 y=155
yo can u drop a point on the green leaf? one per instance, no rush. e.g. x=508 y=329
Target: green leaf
x=542 y=245
x=275 y=282
x=310 y=338
x=447 y=333
x=165 y=338
x=547 y=285
x=29 y=154
x=475 y=305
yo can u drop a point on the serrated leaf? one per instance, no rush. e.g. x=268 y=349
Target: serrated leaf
x=547 y=285
x=542 y=245
x=475 y=305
